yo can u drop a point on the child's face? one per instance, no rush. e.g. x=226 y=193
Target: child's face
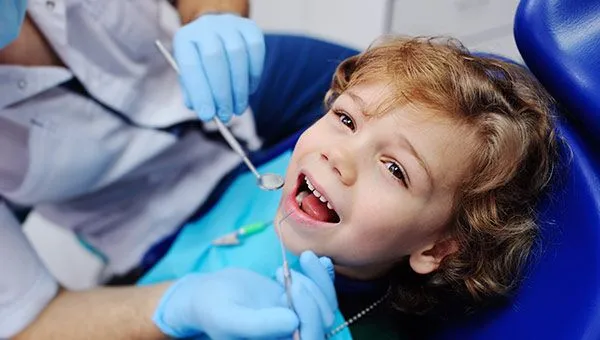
x=390 y=181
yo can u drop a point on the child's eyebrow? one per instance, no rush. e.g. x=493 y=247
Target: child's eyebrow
x=362 y=107
x=417 y=156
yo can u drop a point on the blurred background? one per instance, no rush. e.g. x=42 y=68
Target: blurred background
x=482 y=25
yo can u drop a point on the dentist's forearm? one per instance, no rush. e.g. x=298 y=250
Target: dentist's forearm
x=191 y=9
x=105 y=313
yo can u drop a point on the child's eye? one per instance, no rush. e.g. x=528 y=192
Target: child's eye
x=345 y=119
x=397 y=171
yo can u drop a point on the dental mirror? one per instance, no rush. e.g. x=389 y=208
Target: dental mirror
x=268 y=181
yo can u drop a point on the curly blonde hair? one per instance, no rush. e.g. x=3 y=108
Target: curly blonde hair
x=494 y=222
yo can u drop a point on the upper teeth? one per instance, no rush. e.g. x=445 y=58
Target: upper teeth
x=317 y=193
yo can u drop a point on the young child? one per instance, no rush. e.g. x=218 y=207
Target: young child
x=420 y=183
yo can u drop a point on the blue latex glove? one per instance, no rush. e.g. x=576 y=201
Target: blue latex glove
x=229 y=304
x=221 y=58
x=313 y=295
x=12 y=13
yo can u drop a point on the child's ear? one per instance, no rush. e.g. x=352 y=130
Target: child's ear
x=428 y=258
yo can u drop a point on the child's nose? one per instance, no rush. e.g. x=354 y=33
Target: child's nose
x=342 y=163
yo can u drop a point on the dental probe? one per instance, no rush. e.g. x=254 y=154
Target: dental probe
x=287 y=274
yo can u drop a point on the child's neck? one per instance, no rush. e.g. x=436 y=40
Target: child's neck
x=350 y=285
x=366 y=273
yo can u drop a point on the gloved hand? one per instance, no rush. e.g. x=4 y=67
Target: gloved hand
x=313 y=295
x=230 y=304
x=221 y=59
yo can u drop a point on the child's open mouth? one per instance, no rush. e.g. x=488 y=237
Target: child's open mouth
x=314 y=203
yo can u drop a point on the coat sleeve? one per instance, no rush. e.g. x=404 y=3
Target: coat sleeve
x=26 y=286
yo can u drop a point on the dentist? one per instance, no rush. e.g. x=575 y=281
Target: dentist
x=95 y=136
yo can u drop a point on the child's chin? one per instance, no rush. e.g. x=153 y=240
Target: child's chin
x=294 y=243
x=298 y=245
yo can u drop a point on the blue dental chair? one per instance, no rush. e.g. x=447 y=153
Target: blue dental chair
x=559 y=41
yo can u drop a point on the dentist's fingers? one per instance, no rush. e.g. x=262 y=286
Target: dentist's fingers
x=310 y=289
x=197 y=92
x=237 y=55
x=328 y=265
x=309 y=314
x=221 y=58
x=255 y=45
x=216 y=66
x=320 y=271
x=274 y=322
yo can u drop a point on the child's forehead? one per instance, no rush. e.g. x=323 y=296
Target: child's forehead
x=372 y=99
x=379 y=99
x=370 y=92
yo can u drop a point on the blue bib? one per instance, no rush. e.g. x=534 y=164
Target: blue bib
x=242 y=203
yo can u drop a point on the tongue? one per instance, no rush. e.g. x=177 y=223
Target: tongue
x=316 y=209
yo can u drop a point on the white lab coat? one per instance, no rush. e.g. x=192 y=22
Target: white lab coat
x=120 y=187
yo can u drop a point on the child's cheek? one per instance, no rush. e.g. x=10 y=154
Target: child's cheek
x=306 y=141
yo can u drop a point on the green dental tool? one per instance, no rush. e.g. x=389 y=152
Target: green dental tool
x=236 y=237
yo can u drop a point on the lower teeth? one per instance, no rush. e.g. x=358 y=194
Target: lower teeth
x=301 y=196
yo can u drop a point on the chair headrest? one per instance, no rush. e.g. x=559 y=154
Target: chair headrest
x=559 y=41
